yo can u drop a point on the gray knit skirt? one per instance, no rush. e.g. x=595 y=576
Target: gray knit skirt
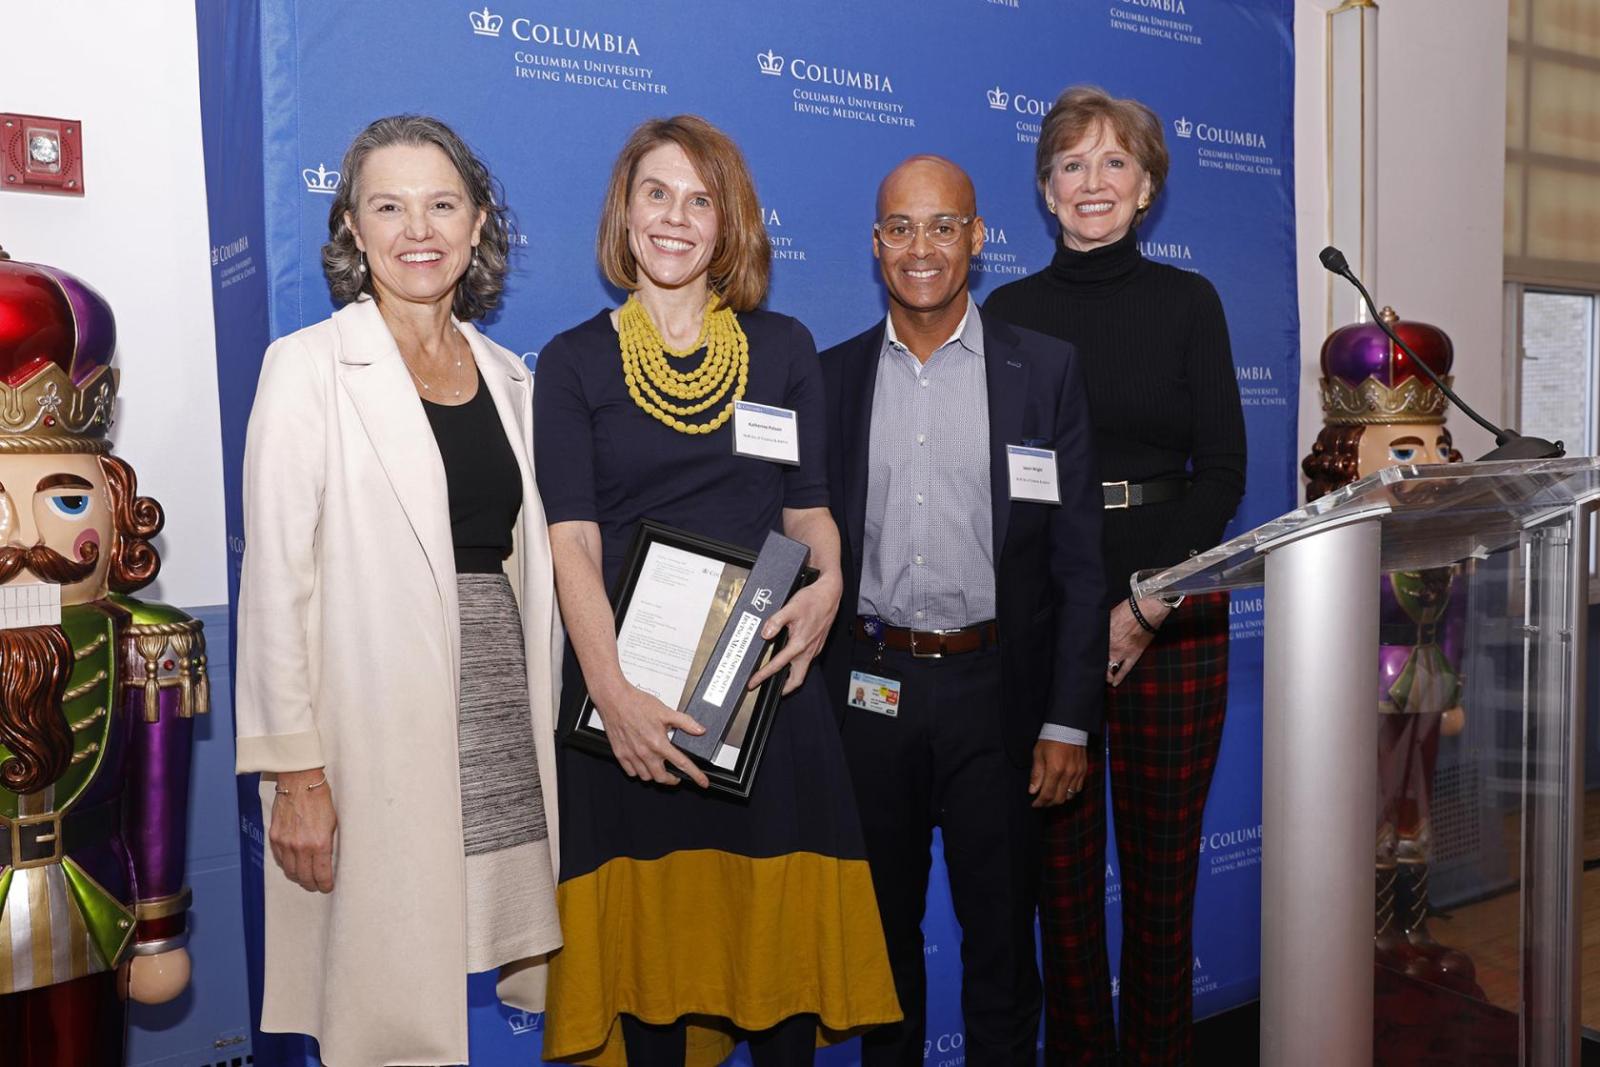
x=511 y=909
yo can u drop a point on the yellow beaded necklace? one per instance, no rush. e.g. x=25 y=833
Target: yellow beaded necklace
x=649 y=375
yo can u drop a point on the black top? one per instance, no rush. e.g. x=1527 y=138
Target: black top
x=1162 y=391
x=602 y=459
x=484 y=482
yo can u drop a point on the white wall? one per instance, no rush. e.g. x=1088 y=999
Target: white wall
x=1441 y=189
x=139 y=236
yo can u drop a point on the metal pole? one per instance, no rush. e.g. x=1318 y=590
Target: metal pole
x=1319 y=798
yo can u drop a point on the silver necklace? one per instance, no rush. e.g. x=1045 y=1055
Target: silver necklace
x=425 y=386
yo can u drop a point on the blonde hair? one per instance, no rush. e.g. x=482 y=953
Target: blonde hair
x=741 y=262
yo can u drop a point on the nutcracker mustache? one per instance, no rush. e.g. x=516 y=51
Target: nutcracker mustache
x=42 y=561
x=35 y=664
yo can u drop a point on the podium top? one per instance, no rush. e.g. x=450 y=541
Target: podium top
x=1431 y=516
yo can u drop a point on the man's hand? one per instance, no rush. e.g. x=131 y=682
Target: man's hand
x=1058 y=772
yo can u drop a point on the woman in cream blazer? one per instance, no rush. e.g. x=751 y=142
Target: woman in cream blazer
x=350 y=673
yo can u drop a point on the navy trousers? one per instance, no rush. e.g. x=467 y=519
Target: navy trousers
x=941 y=761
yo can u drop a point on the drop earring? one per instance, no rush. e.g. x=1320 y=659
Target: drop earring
x=361 y=262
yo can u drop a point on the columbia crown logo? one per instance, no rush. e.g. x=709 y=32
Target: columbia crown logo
x=771 y=62
x=999 y=98
x=485 y=23
x=1183 y=127
x=523 y=1022
x=762 y=600
x=321 y=180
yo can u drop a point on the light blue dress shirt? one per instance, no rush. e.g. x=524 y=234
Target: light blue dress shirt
x=928 y=544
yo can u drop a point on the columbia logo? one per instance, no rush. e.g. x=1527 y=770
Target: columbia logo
x=321 y=180
x=999 y=98
x=525 y=1022
x=771 y=62
x=485 y=24
x=1184 y=127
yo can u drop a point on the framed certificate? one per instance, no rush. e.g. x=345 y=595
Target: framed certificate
x=681 y=607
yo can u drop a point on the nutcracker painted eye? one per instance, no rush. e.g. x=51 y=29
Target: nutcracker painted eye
x=1408 y=449
x=69 y=506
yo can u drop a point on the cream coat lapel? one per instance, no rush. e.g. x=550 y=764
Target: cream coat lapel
x=375 y=378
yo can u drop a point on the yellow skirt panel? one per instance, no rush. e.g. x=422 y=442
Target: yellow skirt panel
x=715 y=934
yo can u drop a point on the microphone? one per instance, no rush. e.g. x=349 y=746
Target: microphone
x=1509 y=444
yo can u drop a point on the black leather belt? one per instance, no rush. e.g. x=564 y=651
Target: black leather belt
x=1136 y=494
x=39 y=840
x=926 y=644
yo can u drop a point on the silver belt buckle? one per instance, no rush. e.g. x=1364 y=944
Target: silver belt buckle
x=1126 y=496
x=926 y=655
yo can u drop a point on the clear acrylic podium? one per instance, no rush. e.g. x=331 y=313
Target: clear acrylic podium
x=1519 y=532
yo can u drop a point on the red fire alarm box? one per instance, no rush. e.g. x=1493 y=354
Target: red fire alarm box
x=41 y=155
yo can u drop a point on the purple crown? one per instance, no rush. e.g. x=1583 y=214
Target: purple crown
x=57 y=337
x=1367 y=379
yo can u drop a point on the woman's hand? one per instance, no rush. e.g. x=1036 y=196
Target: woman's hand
x=636 y=725
x=1129 y=639
x=303 y=828
x=808 y=616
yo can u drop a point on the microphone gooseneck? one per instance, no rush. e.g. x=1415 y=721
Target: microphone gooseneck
x=1509 y=444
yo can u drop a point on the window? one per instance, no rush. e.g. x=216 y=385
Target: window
x=1556 y=357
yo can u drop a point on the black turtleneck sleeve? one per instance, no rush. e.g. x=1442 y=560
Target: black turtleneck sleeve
x=1162 y=392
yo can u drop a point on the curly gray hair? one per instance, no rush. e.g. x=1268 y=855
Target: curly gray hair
x=478 y=291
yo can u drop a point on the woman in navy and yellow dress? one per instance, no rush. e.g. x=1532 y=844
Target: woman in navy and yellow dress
x=692 y=920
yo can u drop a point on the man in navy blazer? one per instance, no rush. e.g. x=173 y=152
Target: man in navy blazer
x=968 y=656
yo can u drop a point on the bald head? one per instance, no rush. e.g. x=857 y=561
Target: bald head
x=929 y=175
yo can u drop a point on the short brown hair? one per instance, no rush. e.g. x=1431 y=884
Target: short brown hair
x=1080 y=109
x=478 y=290
x=741 y=262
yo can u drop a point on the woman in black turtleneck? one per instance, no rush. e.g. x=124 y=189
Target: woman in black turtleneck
x=1170 y=437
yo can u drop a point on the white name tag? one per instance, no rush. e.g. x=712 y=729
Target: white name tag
x=1033 y=474
x=763 y=432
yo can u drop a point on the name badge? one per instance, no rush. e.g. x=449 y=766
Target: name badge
x=762 y=432
x=875 y=693
x=1033 y=474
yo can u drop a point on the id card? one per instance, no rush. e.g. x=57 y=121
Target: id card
x=874 y=693
x=1033 y=474
x=763 y=432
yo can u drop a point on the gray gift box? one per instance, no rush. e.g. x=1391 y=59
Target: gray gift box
x=722 y=683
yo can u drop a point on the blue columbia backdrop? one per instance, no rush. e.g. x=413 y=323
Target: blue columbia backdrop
x=824 y=97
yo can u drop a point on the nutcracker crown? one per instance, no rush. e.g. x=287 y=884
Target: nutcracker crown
x=1368 y=380
x=57 y=386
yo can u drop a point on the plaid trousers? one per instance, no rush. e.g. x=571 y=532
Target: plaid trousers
x=1163 y=727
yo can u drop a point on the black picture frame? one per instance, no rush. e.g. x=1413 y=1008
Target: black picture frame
x=577 y=723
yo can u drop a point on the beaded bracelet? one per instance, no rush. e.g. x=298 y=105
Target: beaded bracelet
x=1138 y=616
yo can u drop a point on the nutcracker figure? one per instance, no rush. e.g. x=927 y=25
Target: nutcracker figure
x=1379 y=411
x=97 y=697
